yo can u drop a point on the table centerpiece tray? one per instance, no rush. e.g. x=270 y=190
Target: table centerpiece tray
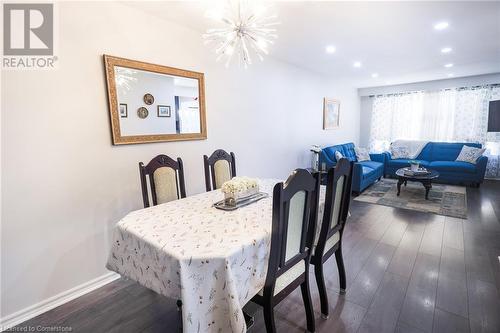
x=229 y=205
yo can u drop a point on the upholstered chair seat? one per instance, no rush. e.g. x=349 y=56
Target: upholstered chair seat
x=288 y=277
x=330 y=243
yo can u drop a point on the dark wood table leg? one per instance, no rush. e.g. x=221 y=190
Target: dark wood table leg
x=400 y=181
x=428 y=186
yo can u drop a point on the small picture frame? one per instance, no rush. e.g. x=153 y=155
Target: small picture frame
x=331 y=114
x=148 y=99
x=123 y=110
x=163 y=110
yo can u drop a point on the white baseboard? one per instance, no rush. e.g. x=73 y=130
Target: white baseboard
x=55 y=301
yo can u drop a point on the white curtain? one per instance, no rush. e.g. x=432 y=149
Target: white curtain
x=446 y=115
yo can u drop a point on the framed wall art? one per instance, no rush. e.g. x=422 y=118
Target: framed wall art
x=123 y=110
x=331 y=114
x=163 y=110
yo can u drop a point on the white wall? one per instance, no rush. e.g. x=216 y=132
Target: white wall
x=65 y=185
x=366 y=101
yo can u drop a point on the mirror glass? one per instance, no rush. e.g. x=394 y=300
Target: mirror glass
x=154 y=103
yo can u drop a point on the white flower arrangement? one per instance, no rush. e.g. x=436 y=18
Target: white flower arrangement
x=316 y=149
x=240 y=185
x=239 y=188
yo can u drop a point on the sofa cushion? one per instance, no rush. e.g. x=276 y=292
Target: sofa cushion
x=372 y=164
x=452 y=166
x=403 y=163
x=330 y=152
x=348 y=151
x=426 y=153
x=367 y=171
x=446 y=151
x=470 y=154
x=362 y=154
x=400 y=152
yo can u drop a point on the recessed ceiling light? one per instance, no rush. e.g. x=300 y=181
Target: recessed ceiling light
x=451 y=75
x=448 y=65
x=446 y=50
x=330 y=49
x=374 y=75
x=357 y=64
x=441 y=25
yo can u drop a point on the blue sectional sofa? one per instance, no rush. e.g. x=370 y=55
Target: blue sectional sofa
x=364 y=174
x=441 y=156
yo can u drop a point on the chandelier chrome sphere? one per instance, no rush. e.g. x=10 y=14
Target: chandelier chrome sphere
x=248 y=30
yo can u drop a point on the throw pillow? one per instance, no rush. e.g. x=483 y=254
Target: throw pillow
x=470 y=154
x=399 y=152
x=362 y=154
x=338 y=155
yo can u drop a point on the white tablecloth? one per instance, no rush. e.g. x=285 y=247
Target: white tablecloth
x=212 y=260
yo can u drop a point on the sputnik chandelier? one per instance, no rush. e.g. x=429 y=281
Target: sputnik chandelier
x=247 y=30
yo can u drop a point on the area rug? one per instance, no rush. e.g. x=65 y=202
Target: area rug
x=444 y=199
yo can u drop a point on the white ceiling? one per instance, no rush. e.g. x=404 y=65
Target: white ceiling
x=394 y=39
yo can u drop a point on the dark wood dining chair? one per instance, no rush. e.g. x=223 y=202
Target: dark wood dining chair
x=329 y=241
x=288 y=266
x=166 y=180
x=219 y=168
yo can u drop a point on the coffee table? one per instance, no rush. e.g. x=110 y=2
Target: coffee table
x=425 y=179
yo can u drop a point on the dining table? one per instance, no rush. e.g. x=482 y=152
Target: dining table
x=213 y=261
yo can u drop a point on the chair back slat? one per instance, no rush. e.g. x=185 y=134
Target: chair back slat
x=166 y=180
x=153 y=189
x=290 y=225
x=219 y=168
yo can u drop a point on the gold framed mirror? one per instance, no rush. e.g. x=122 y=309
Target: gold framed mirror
x=154 y=103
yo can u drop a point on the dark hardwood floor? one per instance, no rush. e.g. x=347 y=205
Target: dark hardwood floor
x=406 y=272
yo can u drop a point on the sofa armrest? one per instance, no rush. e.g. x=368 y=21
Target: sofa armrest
x=387 y=156
x=357 y=175
x=383 y=157
x=481 y=166
x=378 y=157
